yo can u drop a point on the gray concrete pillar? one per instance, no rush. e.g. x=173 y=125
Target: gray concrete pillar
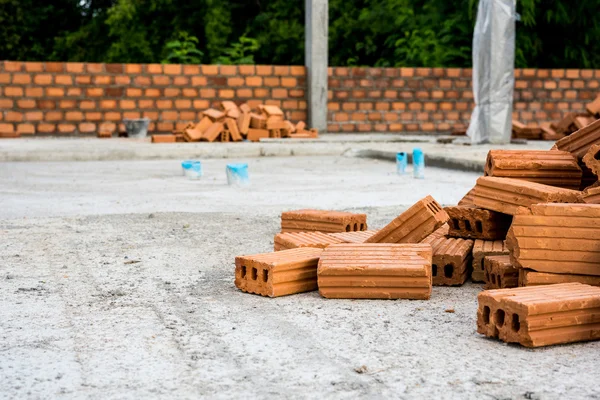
x=316 y=28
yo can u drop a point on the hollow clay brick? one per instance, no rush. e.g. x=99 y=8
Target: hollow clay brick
x=508 y=195
x=163 y=138
x=258 y=121
x=550 y=134
x=234 y=132
x=413 y=225
x=540 y=315
x=353 y=237
x=245 y=108
x=482 y=249
x=233 y=113
x=557 y=238
x=212 y=132
x=592 y=159
x=582 y=121
x=300 y=127
x=578 y=143
x=278 y=274
x=227 y=105
x=271 y=111
x=588 y=178
x=522 y=131
x=594 y=107
x=214 y=115
x=322 y=221
x=500 y=273
x=592 y=195
x=292 y=240
x=375 y=271
x=451 y=261
x=255 y=135
x=243 y=123
x=554 y=168
x=477 y=223
x=565 y=125
x=467 y=200
x=528 y=277
x=195 y=134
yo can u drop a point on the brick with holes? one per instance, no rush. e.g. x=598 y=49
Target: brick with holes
x=292 y=240
x=278 y=274
x=522 y=131
x=353 y=237
x=594 y=107
x=482 y=249
x=500 y=273
x=322 y=221
x=413 y=225
x=213 y=132
x=258 y=121
x=375 y=271
x=243 y=123
x=578 y=143
x=557 y=238
x=451 y=263
x=592 y=195
x=538 y=316
x=194 y=134
x=565 y=125
x=550 y=134
x=477 y=223
x=592 y=159
x=214 y=115
x=551 y=167
x=234 y=132
x=510 y=196
x=255 y=135
x=529 y=277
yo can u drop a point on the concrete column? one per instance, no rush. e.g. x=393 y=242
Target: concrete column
x=316 y=28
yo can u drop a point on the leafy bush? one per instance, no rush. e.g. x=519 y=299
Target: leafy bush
x=183 y=50
x=241 y=52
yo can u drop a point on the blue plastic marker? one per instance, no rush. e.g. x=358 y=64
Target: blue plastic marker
x=401 y=163
x=192 y=169
x=237 y=174
x=418 y=163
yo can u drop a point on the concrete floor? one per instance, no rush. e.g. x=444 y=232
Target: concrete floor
x=116 y=281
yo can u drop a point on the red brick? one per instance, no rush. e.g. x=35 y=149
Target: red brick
x=127 y=104
x=46 y=104
x=66 y=128
x=181 y=81
x=34 y=116
x=13 y=116
x=169 y=115
x=289 y=82
x=46 y=128
x=210 y=93
x=133 y=68
x=93 y=116
x=4 y=78
x=246 y=69
x=210 y=69
x=142 y=80
x=226 y=93
x=162 y=104
x=25 y=103
x=264 y=70
x=67 y=104
x=94 y=68
x=183 y=104
x=7 y=128
x=87 y=127
x=173 y=69
x=112 y=116
x=21 y=79
x=228 y=70
x=161 y=80
x=260 y=93
x=43 y=79
x=34 y=66
x=244 y=93
x=152 y=92
x=13 y=66
x=95 y=92
x=108 y=104
x=122 y=80
x=53 y=116
x=26 y=129
x=235 y=81
x=12 y=91
x=191 y=69
x=55 y=92
x=55 y=67
x=254 y=81
x=74 y=116
x=199 y=81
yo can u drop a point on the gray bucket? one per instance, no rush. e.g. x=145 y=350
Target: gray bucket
x=137 y=128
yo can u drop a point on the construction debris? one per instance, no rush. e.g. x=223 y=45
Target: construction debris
x=500 y=273
x=481 y=250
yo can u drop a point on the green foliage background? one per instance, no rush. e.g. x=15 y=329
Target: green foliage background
x=431 y=33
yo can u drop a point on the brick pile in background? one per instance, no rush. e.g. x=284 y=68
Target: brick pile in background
x=441 y=99
x=81 y=98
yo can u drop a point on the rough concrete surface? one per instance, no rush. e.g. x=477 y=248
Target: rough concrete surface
x=116 y=281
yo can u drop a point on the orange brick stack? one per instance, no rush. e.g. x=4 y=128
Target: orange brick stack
x=233 y=124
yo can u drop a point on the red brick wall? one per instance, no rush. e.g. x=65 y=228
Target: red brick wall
x=77 y=98
x=438 y=99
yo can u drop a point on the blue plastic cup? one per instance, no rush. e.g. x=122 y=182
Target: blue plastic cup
x=401 y=163
x=192 y=169
x=237 y=175
x=418 y=163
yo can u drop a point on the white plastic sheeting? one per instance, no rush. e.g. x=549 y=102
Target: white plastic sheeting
x=493 y=72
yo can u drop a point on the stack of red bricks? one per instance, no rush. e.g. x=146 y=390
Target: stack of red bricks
x=233 y=123
x=528 y=230
x=569 y=124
